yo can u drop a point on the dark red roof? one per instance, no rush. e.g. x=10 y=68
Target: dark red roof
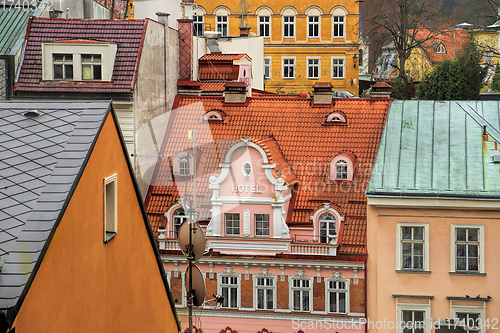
x=293 y=133
x=128 y=34
x=221 y=56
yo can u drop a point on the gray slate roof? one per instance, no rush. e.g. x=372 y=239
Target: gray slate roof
x=41 y=157
x=435 y=149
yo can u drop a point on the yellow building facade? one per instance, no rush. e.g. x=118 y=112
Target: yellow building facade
x=303 y=43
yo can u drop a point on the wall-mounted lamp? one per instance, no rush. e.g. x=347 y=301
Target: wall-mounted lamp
x=355 y=59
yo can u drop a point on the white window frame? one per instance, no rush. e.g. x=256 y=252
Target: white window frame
x=264 y=24
x=110 y=207
x=401 y=306
x=328 y=291
x=318 y=66
x=273 y=288
x=338 y=25
x=341 y=170
x=337 y=65
x=313 y=24
x=237 y=286
x=268 y=225
x=197 y=23
x=470 y=309
x=310 y=289
x=399 y=248
x=107 y=51
x=453 y=251
x=283 y=67
x=222 y=21
x=225 y=225
x=268 y=65
x=291 y=34
x=177 y=217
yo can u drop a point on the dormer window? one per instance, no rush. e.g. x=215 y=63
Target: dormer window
x=439 y=48
x=63 y=66
x=183 y=164
x=184 y=169
x=327 y=228
x=342 y=168
x=214 y=116
x=78 y=60
x=336 y=117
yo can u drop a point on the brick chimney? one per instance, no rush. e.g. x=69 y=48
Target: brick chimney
x=235 y=92
x=185 y=27
x=323 y=93
x=244 y=31
x=381 y=89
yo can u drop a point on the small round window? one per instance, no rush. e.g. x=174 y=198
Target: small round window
x=247 y=169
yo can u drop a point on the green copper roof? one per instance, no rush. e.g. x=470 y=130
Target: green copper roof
x=13 y=23
x=436 y=149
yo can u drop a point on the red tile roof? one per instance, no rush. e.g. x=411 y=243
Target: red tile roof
x=450 y=39
x=213 y=87
x=222 y=57
x=293 y=133
x=128 y=34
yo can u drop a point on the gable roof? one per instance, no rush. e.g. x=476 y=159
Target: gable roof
x=128 y=34
x=437 y=149
x=295 y=134
x=13 y=23
x=452 y=40
x=44 y=153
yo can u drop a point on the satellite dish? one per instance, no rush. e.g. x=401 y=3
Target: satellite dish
x=197 y=239
x=198 y=285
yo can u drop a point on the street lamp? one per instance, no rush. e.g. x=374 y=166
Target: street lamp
x=355 y=59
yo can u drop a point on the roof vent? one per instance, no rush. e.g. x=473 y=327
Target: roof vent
x=496 y=158
x=32 y=113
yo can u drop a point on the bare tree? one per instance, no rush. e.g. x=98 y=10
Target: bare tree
x=405 y=23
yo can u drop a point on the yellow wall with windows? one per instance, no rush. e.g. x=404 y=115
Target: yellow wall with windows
x=300 y=46
x=488 y=40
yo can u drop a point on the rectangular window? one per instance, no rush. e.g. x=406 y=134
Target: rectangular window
x=222 y=25
x=91 y=67
x=264 y=27
x=300 y=295
x=412 y=244
x=313 y=68
x=470 y=322
x=184 y=165
x=338 y=26
x=467 y=243
x=288 y=26
x=229 y=288
x=337 y=293
x=413 y=321
x=261 y=224
x=288 y=68
x=63 y=66
x=313 y=26
x=232 y=224
x=110 y=207
x=265 y=293
x=337 y=68
x=267 y=68
x=198 y=28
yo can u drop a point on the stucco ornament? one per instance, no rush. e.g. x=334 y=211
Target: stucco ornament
x=210 y=227
x=285 y=232
x=336 y=275
x=229 y=270
x=246 y=222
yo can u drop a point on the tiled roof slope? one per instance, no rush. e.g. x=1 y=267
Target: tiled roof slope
x=41 y=159
x=300 y=136
x=452 y=40
x=13 y=22
x=128 y=34
x=437 y=149
x=222 y=56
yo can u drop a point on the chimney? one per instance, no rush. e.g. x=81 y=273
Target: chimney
x=163 y=18
x=323 y=94
x=235 y=92
x=185 y=27
x=244 y=31
x=381 y=89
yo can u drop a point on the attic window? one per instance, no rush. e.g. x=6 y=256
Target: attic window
x=214 y=116
x=342 y=168
x=439 y=48
x=335 y=117
x=183 y=164
x=247 y=169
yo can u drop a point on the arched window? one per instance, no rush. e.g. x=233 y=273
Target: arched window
x=335 y=117
x=338 y=22
x=178 y=217
x=221 y=19
x=341 y=170
x=327 y=227
x=264 y=14
x=289 y=13
x=214 y=116
x=198 y=22
x=313 y=21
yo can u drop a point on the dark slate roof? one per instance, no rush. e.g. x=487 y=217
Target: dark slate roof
x=13 y=23
x=42 y=157
x=128 y=34
x=437 y=149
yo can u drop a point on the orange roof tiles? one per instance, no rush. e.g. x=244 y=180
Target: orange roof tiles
x=222 y=56
x=294 y=135
x=451 y=39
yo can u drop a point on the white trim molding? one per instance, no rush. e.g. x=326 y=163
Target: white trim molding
x=399 y=249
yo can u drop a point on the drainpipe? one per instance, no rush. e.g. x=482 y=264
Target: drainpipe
x=242 y=13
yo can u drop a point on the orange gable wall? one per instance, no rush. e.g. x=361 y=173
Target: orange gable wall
x=85 y=285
